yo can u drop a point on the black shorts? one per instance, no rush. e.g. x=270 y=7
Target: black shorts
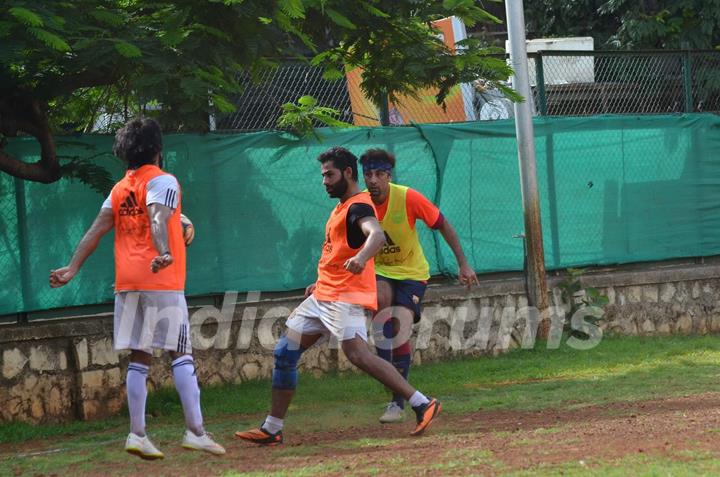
x=407 y=293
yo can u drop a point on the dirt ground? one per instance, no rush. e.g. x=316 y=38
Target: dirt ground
x=484 y=442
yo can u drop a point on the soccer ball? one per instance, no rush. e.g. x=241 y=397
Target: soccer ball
x=188 y=229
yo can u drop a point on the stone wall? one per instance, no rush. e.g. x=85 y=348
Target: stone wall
x=67 y=369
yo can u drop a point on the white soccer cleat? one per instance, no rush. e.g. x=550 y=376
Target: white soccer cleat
x=393 y=413
x=142 y=447
x=202 y=443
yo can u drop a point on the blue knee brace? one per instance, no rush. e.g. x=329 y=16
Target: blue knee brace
x=385 y=352
x=287 y=354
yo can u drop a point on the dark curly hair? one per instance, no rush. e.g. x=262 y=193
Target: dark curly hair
x=138 y=142
x=341 y=158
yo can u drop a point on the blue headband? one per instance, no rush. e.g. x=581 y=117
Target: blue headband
x=376 y=165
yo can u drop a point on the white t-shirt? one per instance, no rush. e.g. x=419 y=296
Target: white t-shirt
x=162 y=189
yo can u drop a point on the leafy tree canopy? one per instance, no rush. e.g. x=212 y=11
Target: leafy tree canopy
x=629 y=24
x=64 y=62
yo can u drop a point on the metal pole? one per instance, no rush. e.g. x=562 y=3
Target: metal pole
x=537 y=281
x=540 y=84
x=22 y=236
x=687 y=82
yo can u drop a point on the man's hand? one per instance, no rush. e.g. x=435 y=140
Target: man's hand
x=354 y=265
x=188 y=235
x=188 y=229
x=104 y=222
x=467 y=276
x=310 y=289
x=160 y=262
x=61 y=276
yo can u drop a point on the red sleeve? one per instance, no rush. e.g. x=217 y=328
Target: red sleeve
x=419 y=207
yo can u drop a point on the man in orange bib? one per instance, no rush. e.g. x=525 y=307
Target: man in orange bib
x=336 y=304
x=150 y=309
x=400 y=267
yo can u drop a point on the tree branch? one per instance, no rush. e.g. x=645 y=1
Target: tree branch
x=83 y=79
x=28 y=115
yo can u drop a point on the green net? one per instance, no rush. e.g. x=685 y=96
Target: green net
x=613 y=189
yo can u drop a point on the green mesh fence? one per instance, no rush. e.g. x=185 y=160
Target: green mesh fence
x=613 y=189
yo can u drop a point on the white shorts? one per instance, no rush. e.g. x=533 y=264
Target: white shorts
x=342 y=321
x=147 y=320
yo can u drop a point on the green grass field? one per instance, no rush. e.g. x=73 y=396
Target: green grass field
x=332 y=426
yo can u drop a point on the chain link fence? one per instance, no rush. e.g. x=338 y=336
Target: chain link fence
x=614 y=189
x=602 y=180
x=259 y=107
x=11 y=205
x=583 y=84
x=564 y=83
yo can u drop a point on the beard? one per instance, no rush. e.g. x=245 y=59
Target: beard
x=338 y=189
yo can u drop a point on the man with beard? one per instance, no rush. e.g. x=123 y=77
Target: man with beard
x=401 y=268
x=335 y=305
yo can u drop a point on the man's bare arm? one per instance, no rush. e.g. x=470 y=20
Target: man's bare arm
x=466 y=274
x=159 y=215
x=103 y=223
x=375 y=239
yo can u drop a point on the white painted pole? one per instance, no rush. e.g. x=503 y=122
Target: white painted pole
x=537 y=281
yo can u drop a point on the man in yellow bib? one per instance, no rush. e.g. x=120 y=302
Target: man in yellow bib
x=401 y=269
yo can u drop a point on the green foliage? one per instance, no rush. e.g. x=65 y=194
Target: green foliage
x=49 y=39
x=139 y=52
x=301 y=118
x=576 y=298
x=128 y=50
x=71 y=63
x=340 y=19
x=628 y=24
x=568 y=18
x=400 y=52
x=89 y=173
x=293 y=8
x=26 y=16
x=664 y=24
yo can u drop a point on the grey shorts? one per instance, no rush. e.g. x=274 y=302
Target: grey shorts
x=147 y=320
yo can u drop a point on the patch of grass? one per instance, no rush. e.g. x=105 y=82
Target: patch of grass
x=297 y=451
x=51 y=463
x=619 y=369
x=365 y=442
x=528 y=441
x=623 y=369
x=22 y=431
x=396 y=461
x=469 y=454
x=307 y=471
x=542 y=431
x=687 y=464
x=620 y=412
x=466 y=458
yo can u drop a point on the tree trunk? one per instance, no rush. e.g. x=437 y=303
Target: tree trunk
x=25 y=114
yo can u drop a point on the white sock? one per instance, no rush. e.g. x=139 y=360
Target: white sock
x=418 y=399
x=136 y=396
x=183 y=370
x=272 y=424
